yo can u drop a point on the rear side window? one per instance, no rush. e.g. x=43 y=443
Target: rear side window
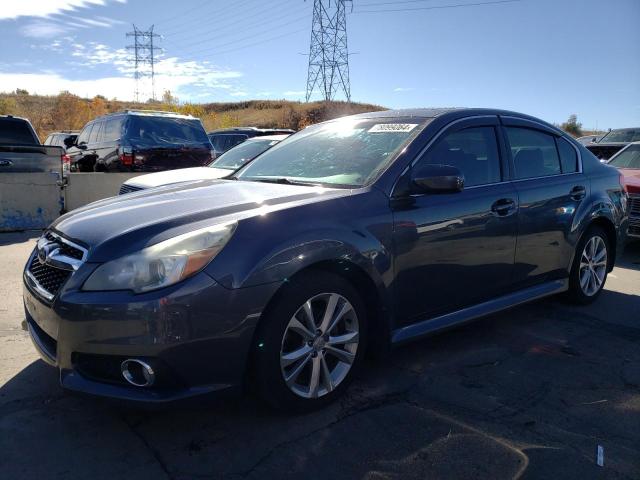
x=16 y=132
x=568 y=156
x=48 y=140
x=224 y=142
x=534 y=153
x=84 y=135
x=474 y=151
x=112 y=129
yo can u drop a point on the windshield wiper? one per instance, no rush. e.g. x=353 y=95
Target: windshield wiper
x=280 y=180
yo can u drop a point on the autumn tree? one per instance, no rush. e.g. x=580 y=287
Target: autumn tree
x=572 y=126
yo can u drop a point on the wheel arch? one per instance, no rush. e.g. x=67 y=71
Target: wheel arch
x=609 y=228
x=371 y=293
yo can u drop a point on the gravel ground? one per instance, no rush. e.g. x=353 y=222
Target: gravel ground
x=529 y=393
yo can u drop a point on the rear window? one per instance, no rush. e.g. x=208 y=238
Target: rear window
x=165 y=130
x=16 y=132
x=629 y=135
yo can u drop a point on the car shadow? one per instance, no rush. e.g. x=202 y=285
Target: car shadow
x=532 y=390
x=10 y=238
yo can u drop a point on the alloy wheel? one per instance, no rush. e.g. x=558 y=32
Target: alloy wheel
x=593 y=266
x=319 y=345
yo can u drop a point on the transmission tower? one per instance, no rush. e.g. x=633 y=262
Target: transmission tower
x=328 y=53
x=142 y=56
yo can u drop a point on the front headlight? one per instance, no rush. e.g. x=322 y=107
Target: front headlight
x=162 y=264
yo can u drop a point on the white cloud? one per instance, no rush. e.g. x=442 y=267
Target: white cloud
x=44 y=8
x=239 y=94
x=42 y=29
x=293 y=93
x=403 y=89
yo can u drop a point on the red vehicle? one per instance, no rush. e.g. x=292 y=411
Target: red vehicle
x=627 y=161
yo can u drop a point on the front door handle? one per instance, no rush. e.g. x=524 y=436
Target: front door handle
x=504 y=207
x=578 y=192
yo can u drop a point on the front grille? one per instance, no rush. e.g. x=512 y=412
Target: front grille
x=49 y=278
x=128 y=189
x=634 y=205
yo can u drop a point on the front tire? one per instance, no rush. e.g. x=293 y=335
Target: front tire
x=590 y=267
x=310 y=342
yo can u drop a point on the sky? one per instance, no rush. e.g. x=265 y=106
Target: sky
x=547 y=58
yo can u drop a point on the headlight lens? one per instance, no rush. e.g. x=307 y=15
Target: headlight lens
x=162 y=264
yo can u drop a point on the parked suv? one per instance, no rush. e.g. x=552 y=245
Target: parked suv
x=141 y=141
x=64 y=139
x=354 y=234
x=227 y=138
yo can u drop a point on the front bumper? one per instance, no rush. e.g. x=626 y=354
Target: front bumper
x=197 y=334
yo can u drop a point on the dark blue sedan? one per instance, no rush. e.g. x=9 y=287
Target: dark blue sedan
x=351 y=235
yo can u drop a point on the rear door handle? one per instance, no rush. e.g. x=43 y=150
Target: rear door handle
x=5 y=163
x=504 y=207
x=578 y=192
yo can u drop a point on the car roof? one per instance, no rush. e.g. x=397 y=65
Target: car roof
x=248 y=129
x=268 y=137
x=445 y=114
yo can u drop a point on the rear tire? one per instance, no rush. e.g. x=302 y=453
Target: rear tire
x=590 y=267
x=304 y=357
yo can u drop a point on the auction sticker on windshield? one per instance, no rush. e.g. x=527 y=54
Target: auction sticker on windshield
x=392 y=127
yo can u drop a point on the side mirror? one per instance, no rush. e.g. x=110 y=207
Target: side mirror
x=438 y=179
x=82 y=145
x=68 y=142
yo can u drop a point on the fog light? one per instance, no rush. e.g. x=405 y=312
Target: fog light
x=137 y=372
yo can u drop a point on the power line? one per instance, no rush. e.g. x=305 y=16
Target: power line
x=210 y=19
x=438 y=7
x=278 y=23
x=142 y=55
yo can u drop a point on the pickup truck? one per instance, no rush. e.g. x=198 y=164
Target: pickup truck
x=21 y=151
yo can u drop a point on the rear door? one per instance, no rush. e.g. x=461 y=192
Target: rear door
x=457 y=249
x=551 y=188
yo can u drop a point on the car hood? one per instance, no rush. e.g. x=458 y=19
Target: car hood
x=632 y=179
x=120 y=225
x=176 y=176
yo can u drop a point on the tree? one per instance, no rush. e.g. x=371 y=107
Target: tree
x=169 y=99
x=572 y=126
x=70 y=112
x=21 y=91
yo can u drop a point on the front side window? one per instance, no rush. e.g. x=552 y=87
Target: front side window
x=224 y=142
x=84 y=135
x=349 y=152
x=628 y=158
x=96 y=133
x=534 y=153
x=238 y=156
x=473 y=151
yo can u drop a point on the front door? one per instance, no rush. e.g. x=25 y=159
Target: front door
x=457 y=249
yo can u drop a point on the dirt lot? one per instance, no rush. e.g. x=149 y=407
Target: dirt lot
x=528 y=393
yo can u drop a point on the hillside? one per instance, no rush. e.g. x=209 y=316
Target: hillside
x=70 y=112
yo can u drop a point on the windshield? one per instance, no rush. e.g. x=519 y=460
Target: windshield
x=150 y=129
x=344 y=152
x=238 y=156
x=630 y=135
x=628 y=158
